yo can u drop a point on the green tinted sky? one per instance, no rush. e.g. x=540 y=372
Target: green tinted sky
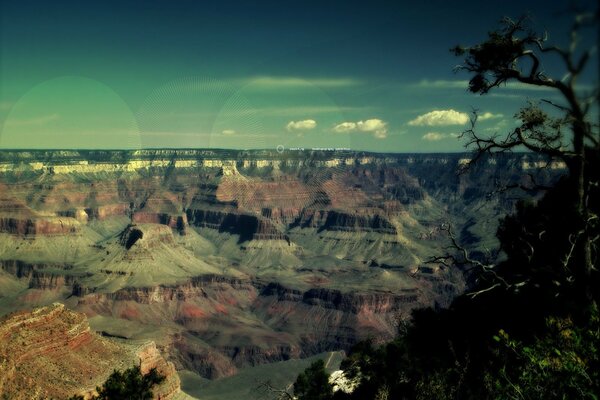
x=368 y=76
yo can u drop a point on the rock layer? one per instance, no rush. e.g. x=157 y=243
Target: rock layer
x=51 y=352
x=229 y=259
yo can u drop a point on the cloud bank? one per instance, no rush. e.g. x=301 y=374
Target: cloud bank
x=440 y=118
x=374 y=126
x=301 y=125
x=434 y=136
x=293 y=81
x=437 y=136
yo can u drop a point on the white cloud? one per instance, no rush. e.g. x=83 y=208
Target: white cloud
x=434 y=136
x=442 y=84
x=301 y=125
x=292 y=81
x=440 y=117
x=375 y=126
x=345 y=127
x=488 y=115
x=228 y=132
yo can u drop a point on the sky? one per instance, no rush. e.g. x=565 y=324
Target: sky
x=369 y=76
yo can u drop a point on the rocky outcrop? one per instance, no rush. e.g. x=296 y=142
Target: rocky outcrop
x=48 y=281
x=338 y=319
x=51 y=352
x=22 y=269
x=266 y=230
x=205 y=361
x=38 y=226
x=150 y=358
x=281 y=292
x=78 y=213
x=178 y=222
x=377 y=303
x=248 y=227
x=38 y=275
x=195 y=288
x=344 y=221
x=145 y=236
x=106 y=211
x=249 y=356
x=281 y=215
x=16 y=218
x=130 y=236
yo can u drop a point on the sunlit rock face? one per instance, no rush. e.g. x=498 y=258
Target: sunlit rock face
x=51 y=352
x=231 y=259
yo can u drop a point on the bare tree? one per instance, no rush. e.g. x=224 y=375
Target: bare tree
x=559 y=129
x=270 y=392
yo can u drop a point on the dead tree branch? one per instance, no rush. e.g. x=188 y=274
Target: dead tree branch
x=460 y=256
x=267 y=390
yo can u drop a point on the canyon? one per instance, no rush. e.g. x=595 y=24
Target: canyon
x=227 y=260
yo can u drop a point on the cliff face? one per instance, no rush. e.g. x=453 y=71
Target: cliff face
x=178 y=222
x=51 y=352
x=149 y=358
x=358 y=221
x=16 y=218
x=38 y=226
x=270 y=193
x=229 y=259
x=247 y=226
x=286 y=322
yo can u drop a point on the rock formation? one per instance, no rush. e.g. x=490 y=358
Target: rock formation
x=230 y=259
x=51 y=352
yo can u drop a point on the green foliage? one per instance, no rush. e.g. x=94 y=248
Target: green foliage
x=493 y=60
x=437 y=359
x=437 y=386
x=564 y=363
x=313 y=383
x=129 y=384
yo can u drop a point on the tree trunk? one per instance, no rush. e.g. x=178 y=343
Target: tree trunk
x=582 y=251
